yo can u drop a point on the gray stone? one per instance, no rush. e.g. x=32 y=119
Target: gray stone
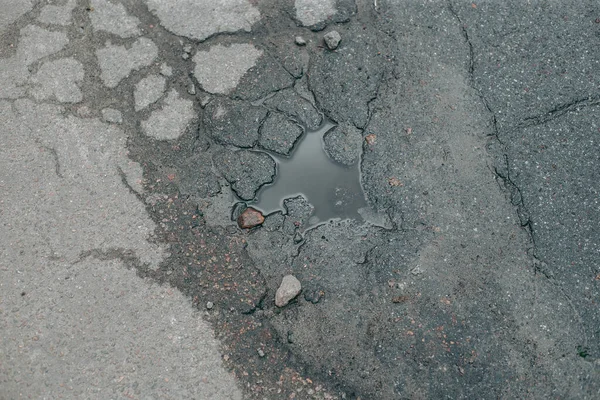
x=290 y=288
x=344 y=143
x=291 y=103
x=57 y=15
x=172 y=120
x=58 y=79
x=279 y=134
x=148 y=91
x=200 y=19
x=332 y=39
x=209 y=305
x=233 y=122
x=220 y=69
x=112 y=115
x=117 y=62
x=113 y=18
x=300 y=41
x=260 y=353
x=246 y=171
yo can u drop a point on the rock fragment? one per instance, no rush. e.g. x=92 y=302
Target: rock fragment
x=289 y=102
x=246 y=171
x=332 y=40
x=343 y=144
x=290 y=288
x=250 y=218
x=279 y=134
x=300 y=41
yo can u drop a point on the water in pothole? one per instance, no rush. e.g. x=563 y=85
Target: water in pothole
x=332 y=188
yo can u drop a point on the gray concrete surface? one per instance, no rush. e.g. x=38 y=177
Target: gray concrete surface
x=464 y=262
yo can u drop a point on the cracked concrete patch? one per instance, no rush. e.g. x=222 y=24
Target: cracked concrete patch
x=148 y=90
x=172 y=120
x=112 y=115
x=117 y=62
x=200 y=19
x=57 y=15
x=311 y=12
x=220 y=69
x=59 y=79
x=12 y=10
x=113 y=18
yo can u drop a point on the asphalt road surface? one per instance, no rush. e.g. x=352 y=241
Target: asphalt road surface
x=429 y=171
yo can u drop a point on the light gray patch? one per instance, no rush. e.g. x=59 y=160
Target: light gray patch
x=199 y=19
x=57 y=15
x=37 y=43
x=171 y=121
x=148 y=91
x=12 y=10
x=220 y=69
x=112 y=115
x=13 y=74
x=166 y=70
x=113 y=18
x=117 y=62
x=344 y=143
x=60 y=79
x=311 y=12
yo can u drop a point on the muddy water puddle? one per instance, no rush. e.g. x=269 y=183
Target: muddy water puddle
x=332 y=188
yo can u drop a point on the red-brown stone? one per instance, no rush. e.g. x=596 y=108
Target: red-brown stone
x=250 y=218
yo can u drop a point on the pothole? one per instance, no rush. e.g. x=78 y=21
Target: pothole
x=333 y=189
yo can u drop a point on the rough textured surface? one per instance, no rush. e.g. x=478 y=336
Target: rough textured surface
x=245 y=170
x=220 y=69
x=288 y=101
x=279 y=134
x=170 y=121
x=343 y=144
x=290 y=288
x=233 y=122
x=469 y=271
x=200 y=19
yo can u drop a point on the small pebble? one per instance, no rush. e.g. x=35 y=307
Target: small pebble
x=209 y=305
x=290 y=288
x=261 y=353
x=300 y=41
x=332 y=40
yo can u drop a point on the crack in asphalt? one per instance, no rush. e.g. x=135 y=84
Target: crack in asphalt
x=559 y=110
x=516 y=194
